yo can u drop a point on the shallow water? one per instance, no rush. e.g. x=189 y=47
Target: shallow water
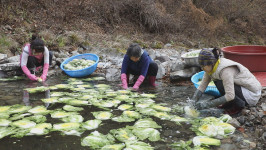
x=12 y=93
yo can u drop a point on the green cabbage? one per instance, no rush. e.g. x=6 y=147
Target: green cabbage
x=4 y=109
x=97 y=140
x=113 y=147
x=40 y=110
x=19 y=116
x=137 y=145
x=147 y=133
x=66 y=126
x=204 y=140
x=91 y=124
x=4 y=122
x=60 y=114
x=40 y=129
x=146 y=123
x=18 y=109
x=72 y=108
x=73 y=118
x=24 y=123
x=123 y=134
x=102 y=115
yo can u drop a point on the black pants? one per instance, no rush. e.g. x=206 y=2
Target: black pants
x=238 y=102
x=33 y=61
x=152 y=71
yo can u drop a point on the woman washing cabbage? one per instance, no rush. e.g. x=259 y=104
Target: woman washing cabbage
x=35 y=55
x=138 y=62
x=237 y=85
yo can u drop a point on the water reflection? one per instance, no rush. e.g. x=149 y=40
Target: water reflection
x=166 y=93
x=26 y=95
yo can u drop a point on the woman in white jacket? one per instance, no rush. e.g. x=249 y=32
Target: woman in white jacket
x=237 y=85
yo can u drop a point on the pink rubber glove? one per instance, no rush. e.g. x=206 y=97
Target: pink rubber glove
x=45 y=71
x=28 y=74
x=138 y=82
x=124 y=81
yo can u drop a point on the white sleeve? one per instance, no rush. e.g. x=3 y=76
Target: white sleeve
x=46 y=55
x=24 y=56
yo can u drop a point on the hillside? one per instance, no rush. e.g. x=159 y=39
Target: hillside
x=66 y=24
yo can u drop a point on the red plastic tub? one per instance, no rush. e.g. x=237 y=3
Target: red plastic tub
x=251 y=56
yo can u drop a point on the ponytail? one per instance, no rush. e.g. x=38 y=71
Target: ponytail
x=217 y=52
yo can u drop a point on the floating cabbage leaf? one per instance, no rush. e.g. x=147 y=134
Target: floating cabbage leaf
x=123 y=134
x=102 y=115
x=146 y=123
x=147 y=133
x=19 y=116
x=66 y=126
x=125 y=107
x=24 y=123
x=73 y=118
x=18 y=109
x=4 y=109
x=60 y=114
x=91 y=124
x=72 y=108
x=4 y=122
x=114 y=147
x=40 y=129
x=97 y=140
x=205 y=141
x=138 y=145
x=40 y=110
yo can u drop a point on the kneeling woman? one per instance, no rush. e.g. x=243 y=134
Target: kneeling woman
x=237 y=85
x=138 y=62
x=35 y=55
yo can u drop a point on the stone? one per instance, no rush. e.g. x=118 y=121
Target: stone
x=161 y=70
x=10 y=66
x=234 y=123
x=162 y=58
x=182 y=75
x=177 y=65
x=263 y=106
x=14 y=59
x=3 y=56
x=112 y=74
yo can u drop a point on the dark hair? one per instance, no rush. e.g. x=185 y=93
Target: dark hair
x=217 y=52
x=134 y=50
x=37 y=44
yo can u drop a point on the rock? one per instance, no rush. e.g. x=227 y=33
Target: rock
x=263 y=106
x=112 y=74
x=14 y=59
x=168 y=45
x=74 y=53
x=3 y=56
x=264 y=136
x=10 y=66
x=234 y=123
x=161 y=70
x=177 y=65
x=59 y=60
x=182 y=75
x=227 y=146
x=241 y=119
x=162 y=58
x=103 y=65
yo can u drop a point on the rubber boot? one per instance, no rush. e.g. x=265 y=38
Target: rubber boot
x=152 y=80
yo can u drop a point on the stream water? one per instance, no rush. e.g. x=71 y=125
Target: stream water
x=12 y=93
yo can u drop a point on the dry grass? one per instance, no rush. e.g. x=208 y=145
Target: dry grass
x=116 y=23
